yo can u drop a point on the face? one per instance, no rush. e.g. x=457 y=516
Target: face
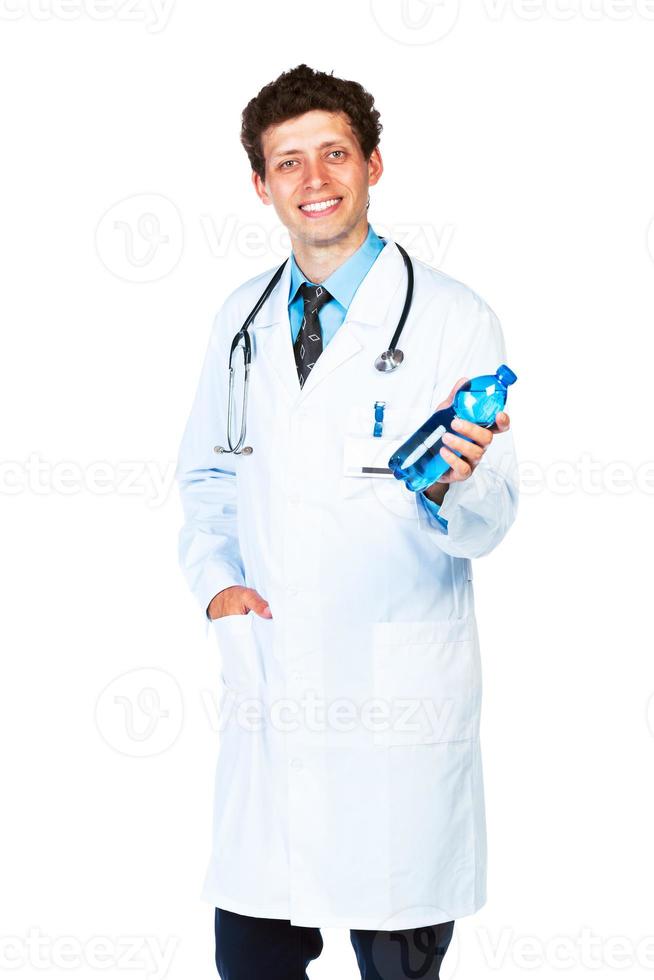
x=314 y=159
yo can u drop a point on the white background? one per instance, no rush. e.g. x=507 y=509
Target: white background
x=519 y=152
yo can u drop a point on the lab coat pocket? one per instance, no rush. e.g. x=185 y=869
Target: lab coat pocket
x=427 y=677
x=238 y=652
x=367 y=479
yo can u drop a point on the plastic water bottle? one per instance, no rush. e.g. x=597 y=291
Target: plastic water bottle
x=418 y=461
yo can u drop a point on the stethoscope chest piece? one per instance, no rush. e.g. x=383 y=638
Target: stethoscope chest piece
x=389 y=360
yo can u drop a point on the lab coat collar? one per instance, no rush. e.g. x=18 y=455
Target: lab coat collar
x=368 y=310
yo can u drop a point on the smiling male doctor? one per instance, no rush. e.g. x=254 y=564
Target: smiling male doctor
x=342 y=605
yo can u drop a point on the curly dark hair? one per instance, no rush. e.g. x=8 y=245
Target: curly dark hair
x=298 y=91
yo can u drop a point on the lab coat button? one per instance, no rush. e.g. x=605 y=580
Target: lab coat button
x=296 y=675
x=296 y=763
x=291 y=590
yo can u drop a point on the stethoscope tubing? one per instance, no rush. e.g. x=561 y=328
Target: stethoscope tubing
x=393 y=357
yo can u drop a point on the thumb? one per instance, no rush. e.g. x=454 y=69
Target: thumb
x=259 y=605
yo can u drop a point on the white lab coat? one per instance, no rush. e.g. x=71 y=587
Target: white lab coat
x=349 y=786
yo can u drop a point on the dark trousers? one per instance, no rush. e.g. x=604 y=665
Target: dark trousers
x=249 y=948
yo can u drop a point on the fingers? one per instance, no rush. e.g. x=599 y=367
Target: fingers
x=460 y=469
x=469 y=450
x=478 y=433
x=238 y=600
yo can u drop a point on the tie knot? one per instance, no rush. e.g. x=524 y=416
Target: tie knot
x=314 y=296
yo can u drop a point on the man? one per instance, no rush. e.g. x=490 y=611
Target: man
x=349 y=784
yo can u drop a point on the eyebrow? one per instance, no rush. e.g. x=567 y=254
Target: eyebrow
x=322 y=146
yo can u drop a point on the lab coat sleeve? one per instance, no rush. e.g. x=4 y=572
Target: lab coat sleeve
x=433 y=508
x=209 y=553
x=475 y=513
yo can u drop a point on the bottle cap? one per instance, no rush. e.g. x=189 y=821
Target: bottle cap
x=506 y=375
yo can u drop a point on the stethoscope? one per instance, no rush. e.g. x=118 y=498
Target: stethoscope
x=388 y=361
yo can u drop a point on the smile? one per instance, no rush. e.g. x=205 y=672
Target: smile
x=321 y=207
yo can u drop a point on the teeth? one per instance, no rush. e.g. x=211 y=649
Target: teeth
x=322 y=206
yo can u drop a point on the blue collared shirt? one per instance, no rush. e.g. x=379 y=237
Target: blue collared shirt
x=342 y=284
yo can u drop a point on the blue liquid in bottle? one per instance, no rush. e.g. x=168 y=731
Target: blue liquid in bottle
x=418 y=461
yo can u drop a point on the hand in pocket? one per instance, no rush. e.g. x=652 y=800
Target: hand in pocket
x=235 y=600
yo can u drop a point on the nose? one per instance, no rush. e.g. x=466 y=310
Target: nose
x=315 y=174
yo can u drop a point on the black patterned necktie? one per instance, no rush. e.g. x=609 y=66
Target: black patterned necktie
x=308 y=343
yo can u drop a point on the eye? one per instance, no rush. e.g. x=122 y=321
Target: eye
x=342 y=152
x=283 y=166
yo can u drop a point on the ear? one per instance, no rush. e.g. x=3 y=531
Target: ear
x=375 y=167
x=260 y=188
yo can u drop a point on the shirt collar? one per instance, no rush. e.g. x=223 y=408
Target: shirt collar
x=346 y=279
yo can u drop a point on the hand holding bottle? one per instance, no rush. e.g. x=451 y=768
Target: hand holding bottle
x=472 y=443
x=448 y=447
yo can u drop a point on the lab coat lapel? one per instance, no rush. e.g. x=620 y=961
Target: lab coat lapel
x=369 y=309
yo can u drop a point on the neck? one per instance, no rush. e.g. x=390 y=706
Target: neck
x=317 y=260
